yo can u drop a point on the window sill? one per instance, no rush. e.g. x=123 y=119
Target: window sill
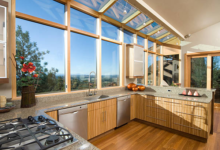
x=66 y=93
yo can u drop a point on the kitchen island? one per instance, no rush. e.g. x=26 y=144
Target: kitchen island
x=145 y=106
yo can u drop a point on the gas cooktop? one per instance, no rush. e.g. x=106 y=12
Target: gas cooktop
x=33 y=133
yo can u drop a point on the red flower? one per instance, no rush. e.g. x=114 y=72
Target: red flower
x=35 y=75
x=28 y=68
x=22 y=57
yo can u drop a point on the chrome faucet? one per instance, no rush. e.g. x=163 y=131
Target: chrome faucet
x=90 y=93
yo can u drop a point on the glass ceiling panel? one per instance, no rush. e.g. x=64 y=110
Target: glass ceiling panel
x=153 y=26
x=166 y=38
x=94 y=4
x=138 y=21
x=159 y=33
x=120 y=11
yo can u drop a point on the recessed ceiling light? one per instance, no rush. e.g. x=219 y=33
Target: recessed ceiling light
x=144 y=23
x=158 y=31
x=125 y=12
x=168 y=37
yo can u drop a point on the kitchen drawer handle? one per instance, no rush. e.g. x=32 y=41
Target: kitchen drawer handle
x=155 y=107
x=75 y=112
x=189 y=114
x=187 y=126
x=171 y=102
x=156 y=118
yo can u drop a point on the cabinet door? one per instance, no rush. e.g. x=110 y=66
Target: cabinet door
x=110 y=117
x=133 y=110
x=140 y=109
x=94 y=125
x=53 y=114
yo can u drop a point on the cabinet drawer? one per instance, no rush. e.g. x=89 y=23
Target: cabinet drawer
x=102 y=104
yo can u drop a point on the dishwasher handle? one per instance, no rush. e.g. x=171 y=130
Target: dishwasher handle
x=72 y=110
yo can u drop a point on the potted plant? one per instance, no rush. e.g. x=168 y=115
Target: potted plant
x=29 y=78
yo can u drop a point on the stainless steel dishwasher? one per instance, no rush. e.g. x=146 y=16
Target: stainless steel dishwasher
x=75 y=119
x=123 y=110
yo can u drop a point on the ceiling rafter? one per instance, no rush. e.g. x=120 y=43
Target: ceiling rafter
x=155 y=31
x=168 y=40
x=107 y=6
x=145 y=25
x=131 y=17
x=162 y=36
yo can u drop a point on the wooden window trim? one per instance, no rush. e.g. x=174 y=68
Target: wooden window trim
x=73 y=4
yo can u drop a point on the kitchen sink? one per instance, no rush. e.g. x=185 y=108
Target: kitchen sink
x=96 y=98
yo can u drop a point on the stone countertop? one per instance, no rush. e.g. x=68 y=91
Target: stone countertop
x=50 y=105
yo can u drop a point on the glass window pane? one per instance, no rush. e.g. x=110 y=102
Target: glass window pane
x=138 y=21
x=82 y=21
x=140 y=41
x=110 y=31
x=2 y=24
x=158 y=48
x=216 y=77
x=94 y=4
x=159 y=33
x=83 y=61
x=171 y=69
x=120 y=11
x=128 y=37
x=150 y=69
x=110 y=64
x=150 y=45
x=166 y=38
x=198 y=72
x=158 y=59
x=153 y=26
x=44 y=46
x=45 y=9
x=3 y=67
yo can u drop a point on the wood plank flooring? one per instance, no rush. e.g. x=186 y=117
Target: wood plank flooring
x=138 y=136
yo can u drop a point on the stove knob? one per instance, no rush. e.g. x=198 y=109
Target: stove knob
x=30 y=118
x=41 y=118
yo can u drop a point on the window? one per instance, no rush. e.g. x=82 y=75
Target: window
x=199 y=72
x=128 y=37
x=140 y=41
x=158 y=49
x=171 y=69
x=150 y=45
x=158 y=60
x=150 y=69
x=44 y=46
x=110 y=64
x=3 y=42
x=48 y=10
x=83 y=61
x=82 y=21
x=110 y=31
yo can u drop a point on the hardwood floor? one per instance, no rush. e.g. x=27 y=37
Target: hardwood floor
x=138 y=136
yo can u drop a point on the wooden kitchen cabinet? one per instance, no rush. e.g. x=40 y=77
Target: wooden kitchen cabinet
x=101 y=117
x=53 y=114
x=133 y=106
x=140 y=101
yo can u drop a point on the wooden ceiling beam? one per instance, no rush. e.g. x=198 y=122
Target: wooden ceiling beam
x=168 y=40
x=155 y=31
x=131 y=17
x=145 y=25
x=107 y=6
x=164 y=35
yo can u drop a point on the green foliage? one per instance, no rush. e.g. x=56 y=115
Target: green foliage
x=48 y=80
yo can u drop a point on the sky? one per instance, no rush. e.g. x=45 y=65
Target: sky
x=83 y=49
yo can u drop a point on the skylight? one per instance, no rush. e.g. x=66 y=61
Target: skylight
x=167 y=38
x=159 y=34
x=149 y=29
x=139 y=21
x=94 y=4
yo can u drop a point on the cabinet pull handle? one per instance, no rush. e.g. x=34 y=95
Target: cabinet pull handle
x=157 y=118
x=171 y=102
x=187 y=126
x=189 y=114
x=103 y=116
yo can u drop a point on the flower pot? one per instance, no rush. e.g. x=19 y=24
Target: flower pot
x=28 y=97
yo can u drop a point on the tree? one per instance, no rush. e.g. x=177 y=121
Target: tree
x=29 y=50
